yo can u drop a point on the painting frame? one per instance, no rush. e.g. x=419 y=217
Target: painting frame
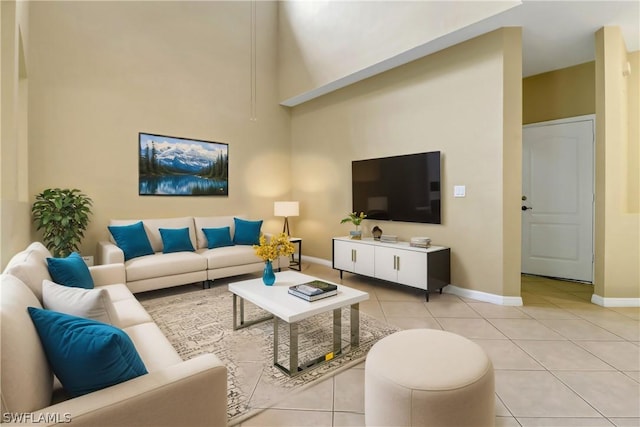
x=178 y=166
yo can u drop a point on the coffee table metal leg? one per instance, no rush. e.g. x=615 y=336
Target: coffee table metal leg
x=241 y=311
x=242 y=323
x=275 y=340
x=294 y=368
x=235 y=312
x=355 y=325
x=293 y=348
x=337 y=331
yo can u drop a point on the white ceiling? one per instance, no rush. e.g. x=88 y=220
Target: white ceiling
x=559 y=34
x=555 y=34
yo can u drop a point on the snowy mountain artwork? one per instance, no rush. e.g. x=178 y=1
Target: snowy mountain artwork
x=170 y=166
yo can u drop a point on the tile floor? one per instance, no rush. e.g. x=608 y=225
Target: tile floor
x=559 y=360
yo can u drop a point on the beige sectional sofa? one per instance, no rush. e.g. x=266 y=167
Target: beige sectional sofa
x=162 y=270
x=173 y=392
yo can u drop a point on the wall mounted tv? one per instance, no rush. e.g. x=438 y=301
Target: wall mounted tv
x=399 y=188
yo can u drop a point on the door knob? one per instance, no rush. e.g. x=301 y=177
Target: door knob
x=524 y=208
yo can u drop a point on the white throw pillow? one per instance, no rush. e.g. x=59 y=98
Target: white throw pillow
x=88 y=303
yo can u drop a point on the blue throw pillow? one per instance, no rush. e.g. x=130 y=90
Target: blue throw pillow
x=218 y=237
x=175 y=240
x=70 y=271
x=247 y=232
x=132 y=239
x=86 y=355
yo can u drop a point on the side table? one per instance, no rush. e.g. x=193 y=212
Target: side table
x=296 y=264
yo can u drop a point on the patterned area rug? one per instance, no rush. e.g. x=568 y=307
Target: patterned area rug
x=201 y=322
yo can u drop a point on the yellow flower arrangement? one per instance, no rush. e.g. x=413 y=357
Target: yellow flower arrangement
x=279 y=245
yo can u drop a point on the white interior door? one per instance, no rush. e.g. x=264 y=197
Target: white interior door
x=558 y=198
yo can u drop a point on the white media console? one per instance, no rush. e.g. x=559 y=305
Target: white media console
x=423 y=268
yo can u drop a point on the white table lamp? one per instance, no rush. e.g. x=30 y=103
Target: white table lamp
x=286 y=209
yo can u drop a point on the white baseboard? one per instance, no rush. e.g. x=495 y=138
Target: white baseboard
x=315 y=260
x=482 y=296
x=615 y=302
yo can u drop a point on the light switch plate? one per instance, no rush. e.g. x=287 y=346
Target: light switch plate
x=459 y=191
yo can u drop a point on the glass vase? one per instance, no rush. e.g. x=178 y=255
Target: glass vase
x=268 y=276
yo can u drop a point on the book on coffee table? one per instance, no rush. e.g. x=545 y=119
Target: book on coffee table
x=314 y=290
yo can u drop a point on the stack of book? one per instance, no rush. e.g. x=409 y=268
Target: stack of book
x=420 y=242
x=314 y=290
x=389 y=238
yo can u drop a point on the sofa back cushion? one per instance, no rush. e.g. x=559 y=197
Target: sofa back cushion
x=27 y=380
x=30 y=266
x=213 y=222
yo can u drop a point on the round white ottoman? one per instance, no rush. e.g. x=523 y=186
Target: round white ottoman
x=427 y=377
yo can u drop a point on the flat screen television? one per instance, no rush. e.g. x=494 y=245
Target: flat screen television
x=399 y=188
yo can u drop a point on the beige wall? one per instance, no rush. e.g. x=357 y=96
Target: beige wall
x=464 y=101
x=14 y=204
x=617 y=274
x=359 y=34
x=512 y=161
x=633 y=147
x=104 y=71
x=558 y=94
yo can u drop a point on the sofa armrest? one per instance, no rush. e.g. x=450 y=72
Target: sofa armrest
x=191 y=393
x=108 y=274
x=109 y=253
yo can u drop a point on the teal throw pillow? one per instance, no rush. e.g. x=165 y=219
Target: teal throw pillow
x=247 y=232
x=132 y=239
x=175 y=240
x=218 y=237
x=70 y=271
x=86 y=355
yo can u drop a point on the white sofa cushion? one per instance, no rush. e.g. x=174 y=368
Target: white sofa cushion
x=160 y=265
x=30 y=266
x=117 y=292
x=130 y=312
x=230 y=256
x=153 y=347
x=89 y=303
x=212 y=222
x=26 y=380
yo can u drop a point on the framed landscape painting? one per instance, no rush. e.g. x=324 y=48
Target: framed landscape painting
x=170 y=166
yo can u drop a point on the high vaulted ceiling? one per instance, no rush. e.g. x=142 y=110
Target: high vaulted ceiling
x=555 y=35
x=559 y=34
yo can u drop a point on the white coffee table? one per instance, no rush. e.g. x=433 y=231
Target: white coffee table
x=291 y=309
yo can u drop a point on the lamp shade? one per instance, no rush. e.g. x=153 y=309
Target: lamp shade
x=286 y=209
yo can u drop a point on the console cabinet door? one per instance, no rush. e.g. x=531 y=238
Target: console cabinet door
x=364 y=259
x=353 y=257
x=402 y=266
x=412 y=269
x=343 y=256
x=386 y=264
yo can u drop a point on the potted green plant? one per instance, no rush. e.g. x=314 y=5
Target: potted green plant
x=63 y=217
x=355 y=219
